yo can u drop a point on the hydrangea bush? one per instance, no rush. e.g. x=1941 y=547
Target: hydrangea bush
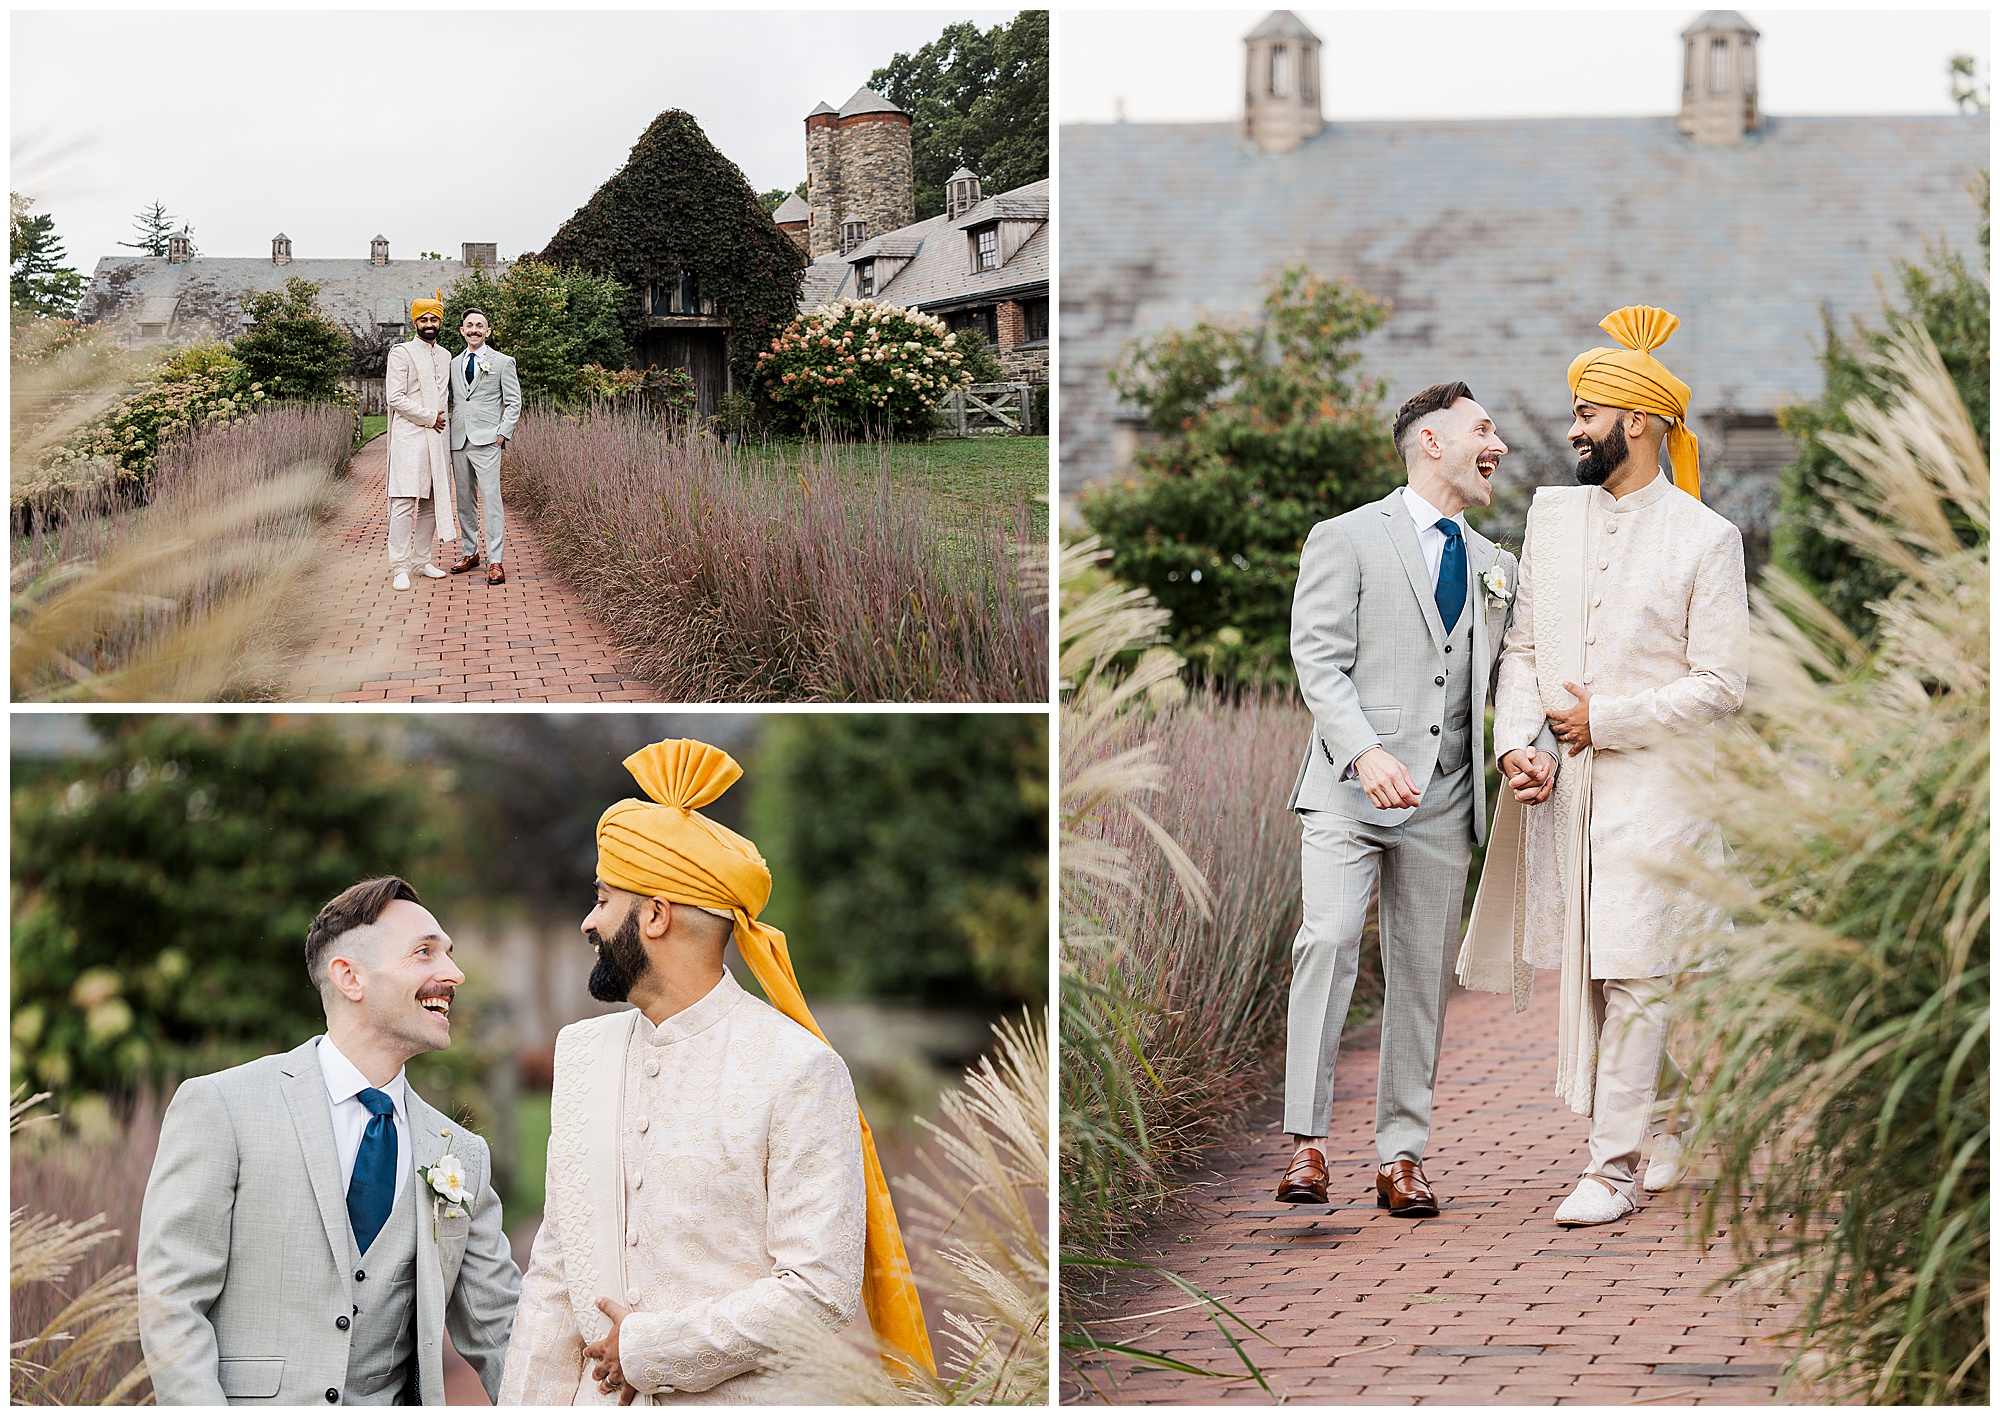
x=860 y=366
x=204 y=383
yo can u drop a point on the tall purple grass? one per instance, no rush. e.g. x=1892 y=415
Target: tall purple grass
x=74 y=1177
x=726 y=580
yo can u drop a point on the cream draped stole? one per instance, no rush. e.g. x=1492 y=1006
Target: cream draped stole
x=1490 y=960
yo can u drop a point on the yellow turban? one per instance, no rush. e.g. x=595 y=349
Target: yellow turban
x=665 y=847
x=1632 y=378
x=419 y=308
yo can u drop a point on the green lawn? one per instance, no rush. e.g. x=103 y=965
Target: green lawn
x=990 y=471
x=373 y=425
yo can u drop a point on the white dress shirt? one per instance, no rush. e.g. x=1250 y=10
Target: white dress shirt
x=1430 y=540
x=344 y=1083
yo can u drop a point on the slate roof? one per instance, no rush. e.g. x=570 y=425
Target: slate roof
x=1503 y=242
x=1281 y=24
x=937 y=275
x=203 y=298
x=866 y=100
x=792 y=208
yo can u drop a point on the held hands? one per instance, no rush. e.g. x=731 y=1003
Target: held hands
x=1385 y=780
x=438 y=426
x=1531 y=774
x=1572 y=724
x=608 y=1374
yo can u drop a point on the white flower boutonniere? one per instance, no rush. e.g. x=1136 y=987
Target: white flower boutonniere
x=446 y=1180
x=1497 y=587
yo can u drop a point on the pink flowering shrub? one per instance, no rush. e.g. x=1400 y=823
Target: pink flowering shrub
x=197 y=386
x=857 y=366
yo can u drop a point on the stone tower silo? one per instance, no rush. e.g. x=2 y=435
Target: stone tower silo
x=860 y=179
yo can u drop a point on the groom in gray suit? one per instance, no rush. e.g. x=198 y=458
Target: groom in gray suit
x=290 y=1252
x=485 y=406
x=1396 y=624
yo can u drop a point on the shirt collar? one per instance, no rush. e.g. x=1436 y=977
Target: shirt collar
x=1423 y=513
x=479 y=353
x=698 y=1016
x=344 y=1080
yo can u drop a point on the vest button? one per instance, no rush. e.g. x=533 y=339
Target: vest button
x=360 y=1276
x=341 y=1322
x=1440 y=680
x=333 y=1396
x=1435 y=729
x=1447 y=648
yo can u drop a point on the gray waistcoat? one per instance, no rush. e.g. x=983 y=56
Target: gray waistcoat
x=1455 y=743
x=383 y=1335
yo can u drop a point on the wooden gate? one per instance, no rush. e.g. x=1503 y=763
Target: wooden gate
x=986 y=409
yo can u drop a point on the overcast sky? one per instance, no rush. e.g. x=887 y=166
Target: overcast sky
x=431 y=128
x=1187 y=65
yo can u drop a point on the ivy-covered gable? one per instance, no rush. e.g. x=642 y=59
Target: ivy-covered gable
x=678 y=204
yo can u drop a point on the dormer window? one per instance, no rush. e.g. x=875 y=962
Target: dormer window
x=864 y=279
x=853 y=233
x=986 y=248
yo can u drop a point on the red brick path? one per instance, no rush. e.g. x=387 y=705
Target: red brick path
x=1487 y=1304
x=450 y=641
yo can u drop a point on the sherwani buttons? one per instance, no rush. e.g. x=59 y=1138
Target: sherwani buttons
x=632 y=1236
x=644 y=1123
x=652 y=1066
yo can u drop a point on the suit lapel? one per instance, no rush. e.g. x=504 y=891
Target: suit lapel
x=1403 y=536
x=312 y=1120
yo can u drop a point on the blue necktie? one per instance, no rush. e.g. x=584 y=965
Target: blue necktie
x=471 y=361
x=371 y=1193
x=1451 y=575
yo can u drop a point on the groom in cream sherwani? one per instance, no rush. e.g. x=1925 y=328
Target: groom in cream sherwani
x=290 y=1252
x=416 y=387
x=1398 y=617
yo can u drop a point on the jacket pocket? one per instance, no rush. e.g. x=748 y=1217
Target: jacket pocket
x=251 y=1376
x=1383 y=720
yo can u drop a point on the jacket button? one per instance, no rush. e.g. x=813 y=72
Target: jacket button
x=333 y=1396
x=1435 y=729
x=1447 y=648
x=341 y=1322
x=1440 y=680
x=360 y=1276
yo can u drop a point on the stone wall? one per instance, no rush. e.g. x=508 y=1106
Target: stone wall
x=858 y=167
x=1027 y=364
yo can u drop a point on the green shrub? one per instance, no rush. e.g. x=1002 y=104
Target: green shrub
x=667 y=390
x=981 y=364
x=552 y=321
x=857 y=366
x=292 y=350
x=1265 y=429
x=1041 y=397
x=204 y=384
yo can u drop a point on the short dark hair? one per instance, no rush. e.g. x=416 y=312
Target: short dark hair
x=474 y=310
x=351 y=909
x=1423 y=403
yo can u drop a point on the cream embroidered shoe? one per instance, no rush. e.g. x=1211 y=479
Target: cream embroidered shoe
x=402 y=580
x=433 y=573
x=1668 y=1166
x=1594 y=1201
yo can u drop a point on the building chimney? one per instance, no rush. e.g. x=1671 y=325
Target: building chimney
x=180 y=250
x=1281 y=84
x=281 y=249
x=1719 y=79
x=961 y=193
x=485 y=253
x=378 y=251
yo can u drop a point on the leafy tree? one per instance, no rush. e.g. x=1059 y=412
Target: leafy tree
x=775 y=198
x=1265 y=429
x=553 y=320
x=162 y=891
x=976 y=100
x=292 y=349
x=910 y=852
x=153 y=226
x=1953 y=302
x=39 y=282
x=679 y=205
x=981 y=364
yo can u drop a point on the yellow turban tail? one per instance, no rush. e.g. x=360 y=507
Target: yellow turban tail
x=665 y=847
x=1632 y=378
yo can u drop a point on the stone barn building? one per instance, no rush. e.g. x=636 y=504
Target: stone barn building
x=983 y=264
x=1502 y=242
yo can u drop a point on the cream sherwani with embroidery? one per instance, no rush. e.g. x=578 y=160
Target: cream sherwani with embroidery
x=708 y=1172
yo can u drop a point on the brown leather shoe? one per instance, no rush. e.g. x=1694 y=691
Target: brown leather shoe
x=465 y=563
x=1305 y=1179
x=1404 y=1191
x=496 y=574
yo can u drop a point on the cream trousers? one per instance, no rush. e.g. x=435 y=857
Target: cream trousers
x=1638 y=1084
x=408 y=515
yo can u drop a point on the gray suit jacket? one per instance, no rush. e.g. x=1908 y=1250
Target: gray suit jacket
x=245 y=1247
x=1370 y=653
x=488 y=408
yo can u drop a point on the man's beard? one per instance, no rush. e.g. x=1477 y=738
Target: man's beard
x=1600 y=459
x=621 y=962
x=429 y=336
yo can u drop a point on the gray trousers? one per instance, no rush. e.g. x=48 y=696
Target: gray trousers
x=1420 y=866
x=484 y=462
x=1639 y=1084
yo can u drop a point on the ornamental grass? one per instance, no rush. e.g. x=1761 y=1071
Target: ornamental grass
x=188 y=591
x=73 y=1295
x=1845 y=1096
x=1180 y=899
x=726 y=579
